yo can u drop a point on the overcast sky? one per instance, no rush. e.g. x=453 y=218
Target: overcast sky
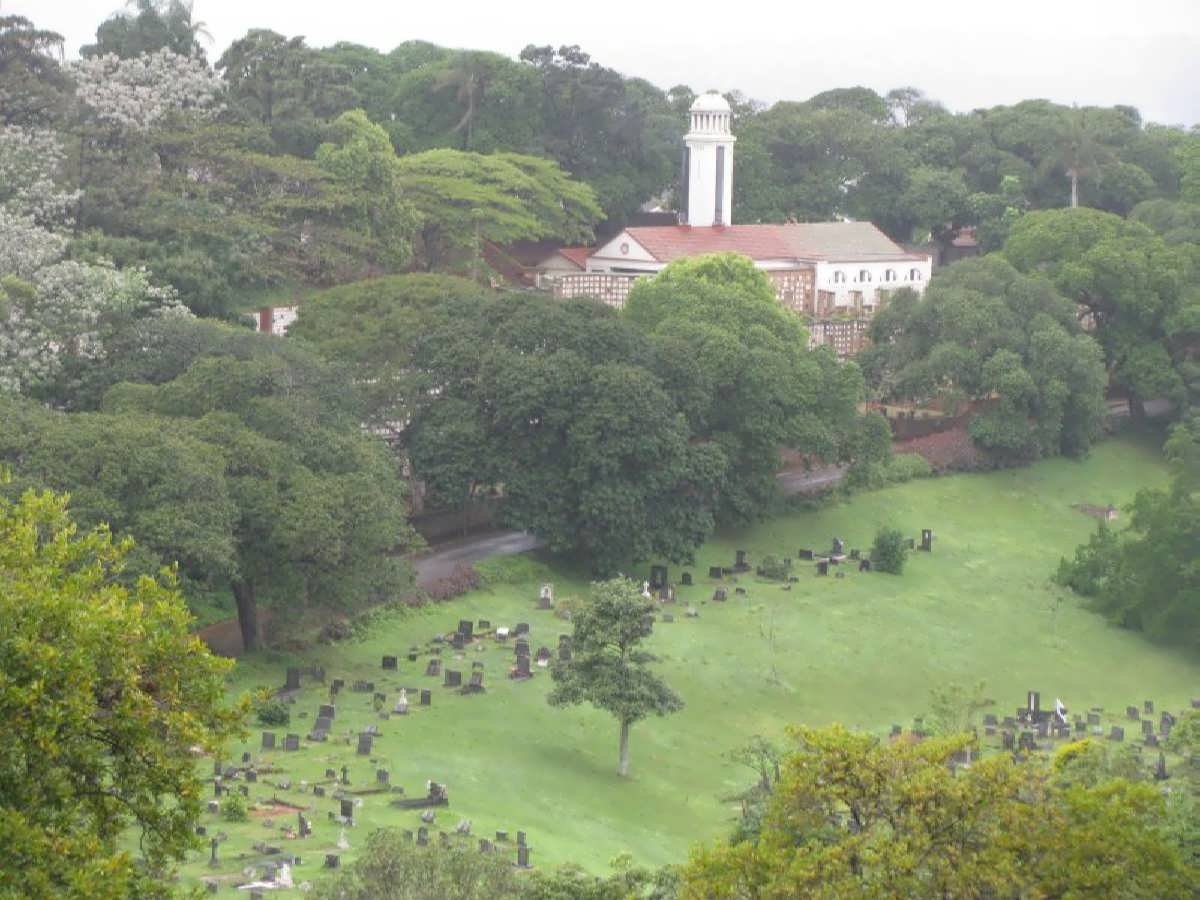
x=965 y=53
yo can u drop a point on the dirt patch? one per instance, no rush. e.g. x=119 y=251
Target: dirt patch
x=275 y=808
x=1107 y=513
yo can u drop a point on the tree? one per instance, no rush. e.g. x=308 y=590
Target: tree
x=738 y=366
x=105 y=693
x=147 y=26
x=33 y=87
x=607 y=669
x=856 y=816
x=1007 y=341
x=465 y=198
x=889 y=551
x=392 y=868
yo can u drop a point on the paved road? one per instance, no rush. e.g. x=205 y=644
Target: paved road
x=441 y=561
x=801 y=482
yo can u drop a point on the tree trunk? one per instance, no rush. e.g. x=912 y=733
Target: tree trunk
x=1074 y=188
x=623 y=765
x=247 y=607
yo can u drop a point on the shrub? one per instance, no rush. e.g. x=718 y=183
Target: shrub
x=774 y=568
x=233 y=808
x=889 y=551
x=460 y=580
x=273 y=711
x=907 y=466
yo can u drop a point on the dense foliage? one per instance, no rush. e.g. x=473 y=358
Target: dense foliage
x=889 y=551
x=105 y=694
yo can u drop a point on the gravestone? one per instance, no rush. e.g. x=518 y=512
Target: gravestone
x=1117 y=734
x=1131 y=712
x=522 y=670
x=912 y=543
x=483 y=625
x=381 y=776
x=520 y=839
x=453 y=678
x=245 y=756
x=475 y=685
x=1093 y=718
x=564 y=651
x=330 y=773
x=422 y=836
x=719 y=595
x=1148 y=707
x=1151 y=739
x=293 y=679
x=390 y=663
x=323 y=724
x=363 y=687
x=332 y=860
x=291 y=743
x=485 y=846
x=318 y=791
x=402 y=703
x=345 y=775
x=336 y=685
x=1166 y=723
x=855 y=553
x=304 y=827
x=346 y=808
x=667 y=617
x=692 y=613
x=1080 y=726
x=327 y=710
x=501 y=836
x=1026 y=741
x=434 y=667
x=864 y=565
x=686 y=579
x=926 y=540
x=457 y=641
x=823 y=567
x=896 y=731
x=1008 y=739
x=523 y=858
x=212 y=859
x=740 y=564
x=1160 y=770
x=364 y=744
x=412 y=657
x=990 y=719
x=714 y=572
x=543 y=657
x=426 y=697
x=268 y=740
x=251 y=776
x=521 y=648
x=658 y=577
x=520 y=629
x=839 y=547
x=1147 y=726
x=804 y=553
x=466 y=628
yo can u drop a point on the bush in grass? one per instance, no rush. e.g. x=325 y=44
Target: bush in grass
x=889 y=551
x=233 y=808
x=774 y=568
x=272 y=711
x=907 y=466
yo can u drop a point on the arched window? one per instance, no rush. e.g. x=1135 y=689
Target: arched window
x=914 y=274
x=889 y=275
x=839 y=277
x=864 y=275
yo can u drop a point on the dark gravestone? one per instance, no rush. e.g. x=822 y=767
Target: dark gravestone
x=719 y=595
x=318 y=791
x=303 y=826
x=1117 y=734
x=426 y=697
x=346 y=808
x=251 y=776
x=714 y=572
x=412 y=657
x=521 y=648
x=433 y=667
x=293 y=679
x=1160 y=769
x=1027 y=742
x=466 y=628
x=332 y=860
x=1166 y=723
x=1148 y=707
x=381 y=776
x=335 y=686
x=389 y=663
x=823 y=567
x=564 y=651
x=268 y=740
x=457 y=641
x=839 y=547
x=926 y=540
x=453 y=678
x=1147 y=726
x=658 y=577
x=485 y=846
x=483 y=624
x=363 y=687
x=990 y=719
x=330 y=773
x=520 y=629
x=1151 y=739
x=1093 y=718
x=523 y=858
x=897 y=731
x=522 y=670
x=854 y=553
x=323 y=724
x=912 y=543
x=245 y=756
x=740 y=564
x=667 y=617
x=804 y=554
x=520 y=839
x=686 y=579
x=1008 y=722
x=291 y=742
x=475 y=685
x=1080 y=726
x=864 y=565
x=327 y=710
x=212 y=859
x=345 y=775
x=422 y=836
x=364 y=744
x=1131 y=712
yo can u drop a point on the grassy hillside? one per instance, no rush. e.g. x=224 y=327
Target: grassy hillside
x=864 y=650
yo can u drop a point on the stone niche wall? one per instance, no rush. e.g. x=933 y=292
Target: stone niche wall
x=795 y=289
x=603 y=286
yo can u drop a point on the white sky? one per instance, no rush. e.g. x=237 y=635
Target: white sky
x=965 y=53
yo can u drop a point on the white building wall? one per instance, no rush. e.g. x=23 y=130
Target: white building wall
x=842 y=279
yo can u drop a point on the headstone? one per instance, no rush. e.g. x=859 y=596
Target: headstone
x=1151 y=739
x=268 y=740
x=839 y=547
x=345 y=775
x=304 y=827
x=1147 y=726
x=327 y=710
x=318 y=790
x=864 y=565
x=522 y=670
x=912 y=543
x=330 y=773
x=322 y=724
x=381 y=776
x=336 y=685
x=1160 y=770
x=926 y=540
x=1117 y=734
x=332 y=860
x=434 y=667
x=990 y=719
x=1093 y=718
x=667 y=617
x=412 y=657
x=714 y=572
x=1027 y=742
x=426 y=697
x=520 y=629
x=1148 y=707
x=520 y=839
x=422 y=836
x=466 y=628
x=291 y=742
x=719 y=595
x=896 y=730
x=1080 y=726
x=475 y=685
x=293 y=679
x=543 y=657
x=389 y=663
x=521 y=648
x=804 y=553
x=212 y=859
x=485 y=846
x=523 y=857
x=823 y=567
x=363 y=687
x=1131 y=712
x=453 y=678
x=457 y=641
x=346 y=808
x=401 y=708
x=501 y=836
x=658 y=577
x=686 y=579
x=740 y=564
x=1008 y=739
x=364 y=744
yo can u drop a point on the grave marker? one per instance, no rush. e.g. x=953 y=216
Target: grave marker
x=268 y=740
x=719 y=595
x=426 y=697
x=453 y=678
x=293 y=679
x=364 y=744
x=291 y=743
x=390 y=663
x=686 y=579
x=926 y=540
x=434 y=667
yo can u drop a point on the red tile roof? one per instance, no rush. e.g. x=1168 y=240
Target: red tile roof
x=834 y=241
x=577 y=255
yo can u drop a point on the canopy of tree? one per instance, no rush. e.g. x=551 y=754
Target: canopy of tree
x=985 y=333
x=104 y=694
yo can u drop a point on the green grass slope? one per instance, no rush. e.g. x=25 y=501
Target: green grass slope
x=863 y=650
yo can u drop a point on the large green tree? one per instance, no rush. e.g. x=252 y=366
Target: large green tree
x=608 y=668
x=105 y=694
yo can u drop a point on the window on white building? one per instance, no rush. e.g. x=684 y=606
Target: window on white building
x=914 y=274
x=889 y=275
x=839 y=277
x=864 y=275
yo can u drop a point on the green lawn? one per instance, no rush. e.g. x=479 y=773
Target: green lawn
x=864 y=650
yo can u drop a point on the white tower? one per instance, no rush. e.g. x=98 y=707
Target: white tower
x=708 y=163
